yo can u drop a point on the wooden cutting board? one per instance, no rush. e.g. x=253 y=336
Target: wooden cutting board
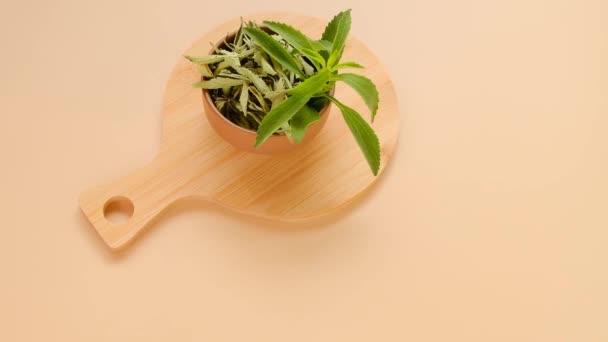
x=193 y=162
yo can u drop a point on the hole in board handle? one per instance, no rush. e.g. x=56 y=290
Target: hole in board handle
x=118 y=210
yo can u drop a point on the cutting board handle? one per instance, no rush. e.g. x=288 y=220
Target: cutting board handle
x=141 y=197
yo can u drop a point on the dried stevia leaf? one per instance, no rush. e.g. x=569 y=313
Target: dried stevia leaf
x=253 y=78
x=260 y=58
x=244 y=98
x=232 y=58
x=308 y=69
x=204 y=70
x=231 y=75
x=207 y=59
x=221 y=66
x=218 y=83
x=260 y=98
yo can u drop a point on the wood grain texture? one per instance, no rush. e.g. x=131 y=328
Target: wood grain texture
x=318 y=179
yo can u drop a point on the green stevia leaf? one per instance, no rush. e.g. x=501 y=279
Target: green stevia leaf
x=217 y=83
x=325 y=55
x=300 y=122
x=244 y=98
x=314 y=56
x=278 y=116
x=337 y=30
x=274 y=49
x=317 y=103
x=207 y=59
x=327 y=45
x=321 y=45
x=294 y=37
x=311 y=85
x=316 y=45
x=348 y=65
x=364 y=135
x=276 y=100
x=334 y=58
x=286 y=129
x=366 y=89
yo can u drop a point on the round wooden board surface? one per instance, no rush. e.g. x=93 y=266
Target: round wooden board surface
x=317 y=179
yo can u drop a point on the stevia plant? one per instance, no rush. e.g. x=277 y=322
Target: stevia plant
x=276 y=83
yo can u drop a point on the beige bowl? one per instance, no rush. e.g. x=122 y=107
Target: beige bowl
x=244 y=139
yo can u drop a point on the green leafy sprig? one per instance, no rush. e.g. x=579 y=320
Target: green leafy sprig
x=290 y=74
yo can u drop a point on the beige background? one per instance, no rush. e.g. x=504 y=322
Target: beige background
x=491 y=223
